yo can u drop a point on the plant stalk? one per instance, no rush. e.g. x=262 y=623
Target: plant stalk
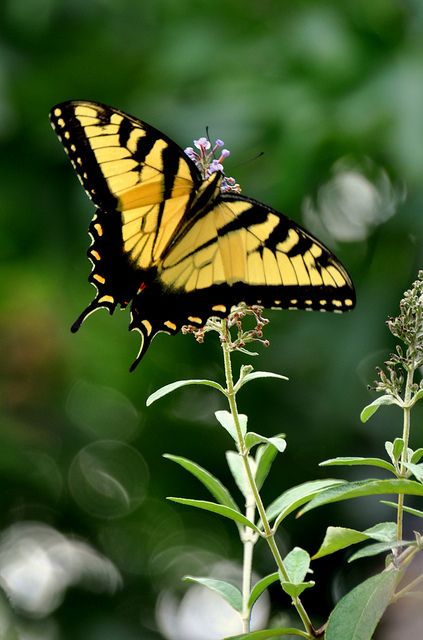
x=268 y=533
x=405 y=437
x=247 y=565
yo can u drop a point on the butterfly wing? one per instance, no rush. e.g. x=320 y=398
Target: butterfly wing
x=239 y=250
x=142 y=184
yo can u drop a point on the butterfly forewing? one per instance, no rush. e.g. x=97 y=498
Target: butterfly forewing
x=172 y=244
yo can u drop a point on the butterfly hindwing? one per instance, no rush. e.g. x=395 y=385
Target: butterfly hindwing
x=239 y=241
x=173 y=245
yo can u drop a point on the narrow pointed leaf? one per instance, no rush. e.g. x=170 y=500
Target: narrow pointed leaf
x=261 y=586
x=251 y=439
x=264 y=634
x=227 y=421
x=370 y=409
x=216 y=488
x=295 y=497
x=380 y=547
x=372 y=462
x=337 y=538
x=258 y=374
x=351 y=490
x=216 y=508
x=410 y=510
x=357 y=614
x=265 y=455
x=169 y=388
x=236 y=467
x=227 y=591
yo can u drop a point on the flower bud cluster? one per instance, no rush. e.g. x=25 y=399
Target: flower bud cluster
x=407 y=327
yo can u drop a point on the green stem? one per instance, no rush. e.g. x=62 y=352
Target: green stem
x=249 y=539
x=243 y=452
x=405 y=437
x=409 y=587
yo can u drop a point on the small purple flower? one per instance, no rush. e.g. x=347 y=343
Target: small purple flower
x=215 y=166
x=203 y=144
x=207 y=163
x=224 y=154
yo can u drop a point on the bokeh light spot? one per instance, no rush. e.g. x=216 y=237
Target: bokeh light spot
x=108 y=479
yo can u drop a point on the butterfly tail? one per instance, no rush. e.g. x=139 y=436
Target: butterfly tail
x=92 y=307
x=145 y=329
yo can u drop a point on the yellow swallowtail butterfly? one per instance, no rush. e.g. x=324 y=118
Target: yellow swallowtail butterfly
x=172 y=244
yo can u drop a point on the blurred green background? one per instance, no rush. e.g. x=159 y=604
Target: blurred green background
x=332 y=93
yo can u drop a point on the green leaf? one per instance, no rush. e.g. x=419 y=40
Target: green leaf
x=251 y=439
x=265 y=455
x=352 y=461
x=351 y=490
x=257 y=374
x=357 y=614
x=227 y=591
x=264 y=634
x=380 y=547
x=260 y=586
x=236 y=467
x=413 y=512
x=417 y=396
x=337 y=538
x=297 y=564
x=417 y=455
x=227 y=421
x=295 y=497
x=398 y=448
x=169 y=388
x=216 y=488
x=220 y=509
x=383 y=532
x=295 y=590
x=416 y=470
x=370 y=409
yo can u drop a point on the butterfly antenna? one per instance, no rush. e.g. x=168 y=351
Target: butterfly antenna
x=256 y=157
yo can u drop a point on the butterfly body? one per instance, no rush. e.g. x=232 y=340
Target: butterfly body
x=171 y=244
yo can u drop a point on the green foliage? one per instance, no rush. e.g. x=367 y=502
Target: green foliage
x=226 y=512
x=356 y=615
x=297 y=565
x=216 y=488
x=295 y=497
x=364 y=488
x=337 y=538
x=260 y=586
x=227 y=591
x=173 y=386
x=226 y=420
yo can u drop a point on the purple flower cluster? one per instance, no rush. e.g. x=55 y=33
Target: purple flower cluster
x=205 y=160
